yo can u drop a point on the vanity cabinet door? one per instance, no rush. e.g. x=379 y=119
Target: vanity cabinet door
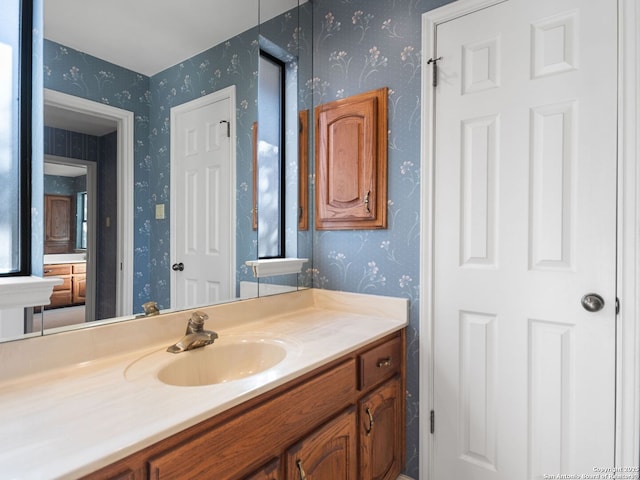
x=381 y=432
x=328 y=453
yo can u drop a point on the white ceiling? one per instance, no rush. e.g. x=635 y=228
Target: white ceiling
x=148 y=36
x=77 y=122
x=63 y=170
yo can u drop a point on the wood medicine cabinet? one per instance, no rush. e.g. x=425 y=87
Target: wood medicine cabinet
x=59 y=227
x=351 y=162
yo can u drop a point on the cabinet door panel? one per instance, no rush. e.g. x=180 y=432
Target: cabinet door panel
x=58 y=218
x=79 y=288
x=59 y=225
x=351 y=162
x=381 y=432
x=327 y=453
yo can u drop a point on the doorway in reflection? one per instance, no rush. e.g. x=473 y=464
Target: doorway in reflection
x=81 y=207
x=69 y=197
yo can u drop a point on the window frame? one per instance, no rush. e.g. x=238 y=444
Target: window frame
x=81 y=236
x=282 y=157
x=24 y=137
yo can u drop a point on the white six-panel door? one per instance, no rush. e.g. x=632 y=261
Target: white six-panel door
x=203 y=220
x=524 y=227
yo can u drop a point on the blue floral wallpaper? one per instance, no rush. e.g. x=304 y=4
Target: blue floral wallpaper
x=361 y=45
x=234 y=62
x=76 y=73
x=57 y=185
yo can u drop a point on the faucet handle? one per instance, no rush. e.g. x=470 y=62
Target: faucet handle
x=199 y=317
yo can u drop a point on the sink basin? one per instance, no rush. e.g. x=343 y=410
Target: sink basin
x=221 y=363
x=228 y=359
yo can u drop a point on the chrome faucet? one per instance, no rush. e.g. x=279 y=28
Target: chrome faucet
x=195 y=336
x=150 y=309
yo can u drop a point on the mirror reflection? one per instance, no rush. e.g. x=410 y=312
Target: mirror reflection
x=285 y=72
x=129 y=88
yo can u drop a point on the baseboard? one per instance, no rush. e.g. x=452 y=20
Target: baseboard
x=404 y=477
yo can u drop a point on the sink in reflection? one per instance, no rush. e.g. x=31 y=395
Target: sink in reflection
x=228 y=359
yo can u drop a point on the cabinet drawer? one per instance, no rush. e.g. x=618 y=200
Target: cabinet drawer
x=380 y=363
x=79 y=268
x=263 y=430
x=55 y=270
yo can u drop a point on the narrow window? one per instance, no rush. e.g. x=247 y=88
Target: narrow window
x=271 y=97
x=81 y=242
x=15 y=136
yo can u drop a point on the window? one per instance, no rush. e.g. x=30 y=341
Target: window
x=15 y=133
x=81 y=237
x=271 y=160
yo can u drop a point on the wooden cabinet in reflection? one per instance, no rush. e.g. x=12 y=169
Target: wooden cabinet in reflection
x=72 y=291
x=59 y=224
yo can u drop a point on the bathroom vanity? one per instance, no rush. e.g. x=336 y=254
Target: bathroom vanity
x=344 y=420
x=72 y=269
x=74 y=284
x=310 y=384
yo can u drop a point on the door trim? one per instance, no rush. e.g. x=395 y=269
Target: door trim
x=124 y=121
x=230 y=93
x=92 y=206
x=628 y=334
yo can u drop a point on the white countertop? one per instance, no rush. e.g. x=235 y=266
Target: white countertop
x=58 y=258
x=76 y=418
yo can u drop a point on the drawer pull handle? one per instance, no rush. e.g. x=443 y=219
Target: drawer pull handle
x=368 y=430
x=303 y=476
x=47 y=271
x=384 y=362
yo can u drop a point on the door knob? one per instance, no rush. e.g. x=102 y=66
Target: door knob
x=177 y=267
x=592 y=302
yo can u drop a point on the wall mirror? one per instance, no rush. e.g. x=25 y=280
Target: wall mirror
x=281 y=149
x=116 y=75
